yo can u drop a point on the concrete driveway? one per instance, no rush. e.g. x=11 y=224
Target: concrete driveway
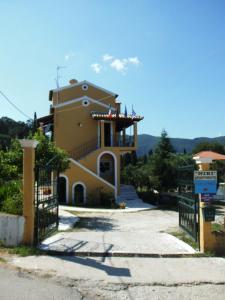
x=121 y=234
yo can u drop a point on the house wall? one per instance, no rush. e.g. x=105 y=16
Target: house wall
x=91 y=161
x=73 y=124
x=93 y=184
x=74 y=127
x=75 y=92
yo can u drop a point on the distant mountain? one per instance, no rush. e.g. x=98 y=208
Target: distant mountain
x=147 y=142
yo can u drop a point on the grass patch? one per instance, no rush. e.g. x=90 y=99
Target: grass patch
x=181 y=235
x=24 y=251
x=21 y=250
x=2 y=260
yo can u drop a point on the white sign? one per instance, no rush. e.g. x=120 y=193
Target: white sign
x=205 y=175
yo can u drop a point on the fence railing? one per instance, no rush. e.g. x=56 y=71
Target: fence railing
x=188 y=202
x=127 y=142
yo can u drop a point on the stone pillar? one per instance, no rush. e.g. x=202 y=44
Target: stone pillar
x=135 y=135
x=28 y=189
x=102 y=133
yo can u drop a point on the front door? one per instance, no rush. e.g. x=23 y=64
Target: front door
x=107 y=127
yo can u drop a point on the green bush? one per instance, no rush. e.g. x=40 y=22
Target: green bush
x=106 y=199
x=149 y=197
x=11 y=198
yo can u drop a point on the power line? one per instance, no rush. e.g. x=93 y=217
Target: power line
x=14 y=105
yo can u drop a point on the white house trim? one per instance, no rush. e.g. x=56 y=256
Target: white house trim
x=67 y=187
x=92 y=173
x=203 y=160
x=81 y=83
x=81 y=99
x=85 y=191
x=115 y=167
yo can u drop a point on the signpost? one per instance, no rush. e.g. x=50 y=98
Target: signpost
x=205 y=183
x=207 y=197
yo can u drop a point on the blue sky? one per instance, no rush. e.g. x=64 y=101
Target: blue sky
x=167 y=58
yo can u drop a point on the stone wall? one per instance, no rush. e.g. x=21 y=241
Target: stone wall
x=11 y=229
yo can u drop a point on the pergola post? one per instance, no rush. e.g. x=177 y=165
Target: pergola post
x=124 y=136
x=102 y=129
x=135 y=134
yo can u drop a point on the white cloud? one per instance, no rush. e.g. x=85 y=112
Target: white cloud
x=134 y=60
x=69 y=55
x=96 y=68
x=107 y=57
x=119 y=64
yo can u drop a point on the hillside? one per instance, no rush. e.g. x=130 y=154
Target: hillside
x=147 y=142
x=10 y=129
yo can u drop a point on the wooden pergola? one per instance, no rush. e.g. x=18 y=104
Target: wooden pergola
x=122 y=121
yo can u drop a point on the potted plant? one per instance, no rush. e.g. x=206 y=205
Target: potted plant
x=122 y=205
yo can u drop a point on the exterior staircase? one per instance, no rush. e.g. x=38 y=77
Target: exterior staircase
x=84 y=150
x=127 y=193
x=130 y=197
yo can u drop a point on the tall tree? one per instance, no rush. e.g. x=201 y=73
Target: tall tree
x=164 y=147
x=162 y=168
x=34 y=127
x=209 y=146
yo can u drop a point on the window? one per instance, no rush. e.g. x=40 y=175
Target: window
x=85 y=102
x=84 y=87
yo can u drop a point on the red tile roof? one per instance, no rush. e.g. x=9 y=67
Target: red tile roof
x=210 y=154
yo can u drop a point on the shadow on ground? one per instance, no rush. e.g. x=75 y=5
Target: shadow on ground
x=95 y=223
x=93 y=263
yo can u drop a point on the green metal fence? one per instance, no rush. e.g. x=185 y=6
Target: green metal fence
x=188 y=202
x=46 y=202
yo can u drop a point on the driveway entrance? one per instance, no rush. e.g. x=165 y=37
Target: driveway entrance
x=117 y=233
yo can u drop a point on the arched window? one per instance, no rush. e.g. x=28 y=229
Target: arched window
x=107 y=168
x=79 y=194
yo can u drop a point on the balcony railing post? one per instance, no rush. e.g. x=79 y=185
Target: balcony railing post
x=135 y=134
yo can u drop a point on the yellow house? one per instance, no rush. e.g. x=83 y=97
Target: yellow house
x=88 y=124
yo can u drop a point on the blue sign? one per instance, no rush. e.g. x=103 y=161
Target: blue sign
x=205 y=186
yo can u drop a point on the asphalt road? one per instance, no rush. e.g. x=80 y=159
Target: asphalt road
x=17 y=285
x=140 y=279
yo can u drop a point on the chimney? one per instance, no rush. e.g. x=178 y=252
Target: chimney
x=73 y=81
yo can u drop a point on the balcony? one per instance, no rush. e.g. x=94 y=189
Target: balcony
x=112 y=130
x=111 y=133
x=128 y=141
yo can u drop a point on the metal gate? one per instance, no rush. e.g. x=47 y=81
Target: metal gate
x=46 y=202
x=188 y=202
